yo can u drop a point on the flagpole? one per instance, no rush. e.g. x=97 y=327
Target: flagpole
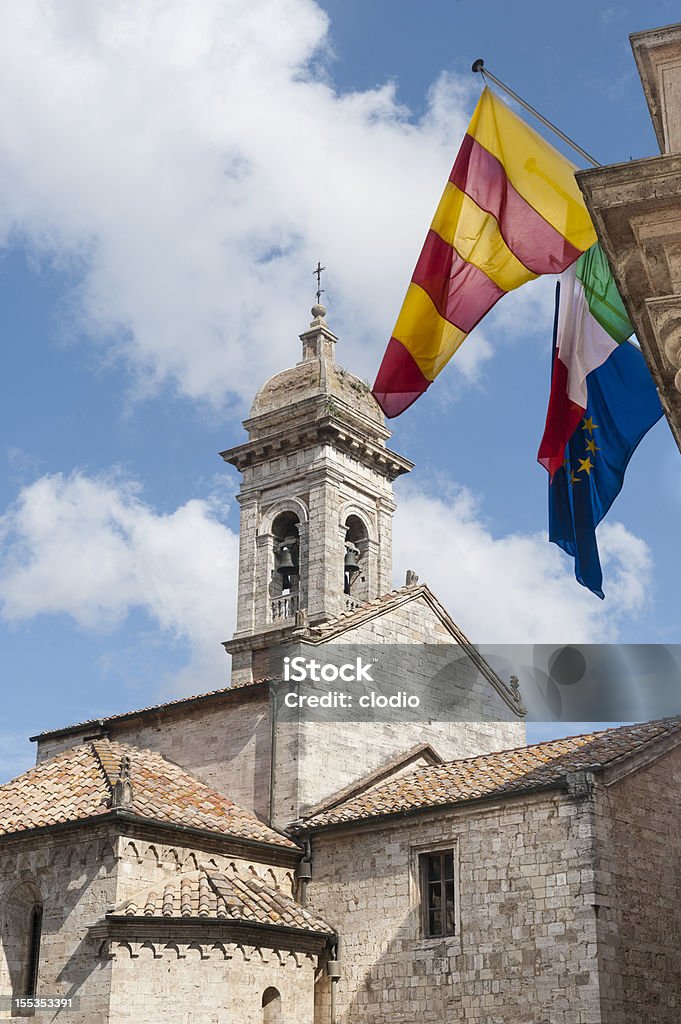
x=479 y=66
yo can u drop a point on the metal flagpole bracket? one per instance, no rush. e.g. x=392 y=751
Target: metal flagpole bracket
x=478 y=66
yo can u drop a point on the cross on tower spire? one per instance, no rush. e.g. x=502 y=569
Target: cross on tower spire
x=318 y=274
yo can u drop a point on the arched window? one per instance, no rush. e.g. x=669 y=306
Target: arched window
x=271 y=1006
x=285 y=583
x=21 y=933
x=355 y=585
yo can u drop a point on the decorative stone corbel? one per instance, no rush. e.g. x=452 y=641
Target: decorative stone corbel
x=580 y=784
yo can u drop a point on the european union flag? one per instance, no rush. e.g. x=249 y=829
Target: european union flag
x=622 y=405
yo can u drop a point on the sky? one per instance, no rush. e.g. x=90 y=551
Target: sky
x=170 y=174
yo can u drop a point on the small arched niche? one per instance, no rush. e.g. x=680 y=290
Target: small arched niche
x=21 y=935
x=285 y=582
x=271 y=1006
x=355 y=575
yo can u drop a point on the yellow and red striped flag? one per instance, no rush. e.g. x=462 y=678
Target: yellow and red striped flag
x=510 y=211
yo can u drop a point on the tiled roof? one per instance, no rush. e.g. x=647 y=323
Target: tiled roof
x=499 y=774
x=222 y=896
x=178 y=702
x=78 y=784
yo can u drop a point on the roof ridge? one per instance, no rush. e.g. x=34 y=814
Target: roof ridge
x=380 y=775
x=503 y=773
x=175 y=702
x=586 y=736
x=365 y=606
x=105 y=760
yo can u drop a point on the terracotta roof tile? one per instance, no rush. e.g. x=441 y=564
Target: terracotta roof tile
x=499 y=774
x=222 y=896
x=77 y=784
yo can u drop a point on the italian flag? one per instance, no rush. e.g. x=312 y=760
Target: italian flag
x=592 y=324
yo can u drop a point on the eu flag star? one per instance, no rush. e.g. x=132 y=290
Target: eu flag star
x=589 y=424
x=592 y=447
x=586 y=465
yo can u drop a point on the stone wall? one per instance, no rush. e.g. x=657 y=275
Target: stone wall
x=639 y=917
x=80 y=875
x=201 y=976
x=225 y=743
x=214 y=983
x=76 y=877
x=525 y=951
x=317 y=759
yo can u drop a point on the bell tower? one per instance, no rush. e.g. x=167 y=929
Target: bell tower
x=316 y=501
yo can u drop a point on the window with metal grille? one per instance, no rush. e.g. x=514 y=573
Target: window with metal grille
x=438 y=893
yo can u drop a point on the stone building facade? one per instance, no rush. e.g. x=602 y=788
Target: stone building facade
x=210 y=860
x=567 y=891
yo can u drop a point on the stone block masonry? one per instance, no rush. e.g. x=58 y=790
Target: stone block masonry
x=525 y=948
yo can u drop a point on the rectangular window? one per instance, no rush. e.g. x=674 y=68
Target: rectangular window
x=438 y=900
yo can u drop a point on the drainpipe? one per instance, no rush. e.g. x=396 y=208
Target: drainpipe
x=273 y=745
x=333 y=970
x=304 y=873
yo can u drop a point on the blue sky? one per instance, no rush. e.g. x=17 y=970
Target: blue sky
x=169 y=176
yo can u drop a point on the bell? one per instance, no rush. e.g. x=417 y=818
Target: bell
x=285 y=564
x=351 y=558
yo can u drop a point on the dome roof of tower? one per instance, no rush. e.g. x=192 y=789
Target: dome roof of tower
x=317 y=375
x=311 y=378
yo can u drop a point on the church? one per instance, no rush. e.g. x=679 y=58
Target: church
x=210 y=861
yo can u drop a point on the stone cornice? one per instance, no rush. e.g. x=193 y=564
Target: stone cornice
x=636 y=209
x=635 y=182
x=205 y=929
x=656 y=52
x=134 y=825
x=327 y=429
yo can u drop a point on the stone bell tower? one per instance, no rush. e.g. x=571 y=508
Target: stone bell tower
x=316 y=501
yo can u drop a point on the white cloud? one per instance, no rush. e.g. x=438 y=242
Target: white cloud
x=91 y=549
x=514 y=588
x=192 y=162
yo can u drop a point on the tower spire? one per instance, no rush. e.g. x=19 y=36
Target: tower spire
x=317 y=272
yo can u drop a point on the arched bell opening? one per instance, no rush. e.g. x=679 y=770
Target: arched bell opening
x=285 y=583
x=355 y=585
